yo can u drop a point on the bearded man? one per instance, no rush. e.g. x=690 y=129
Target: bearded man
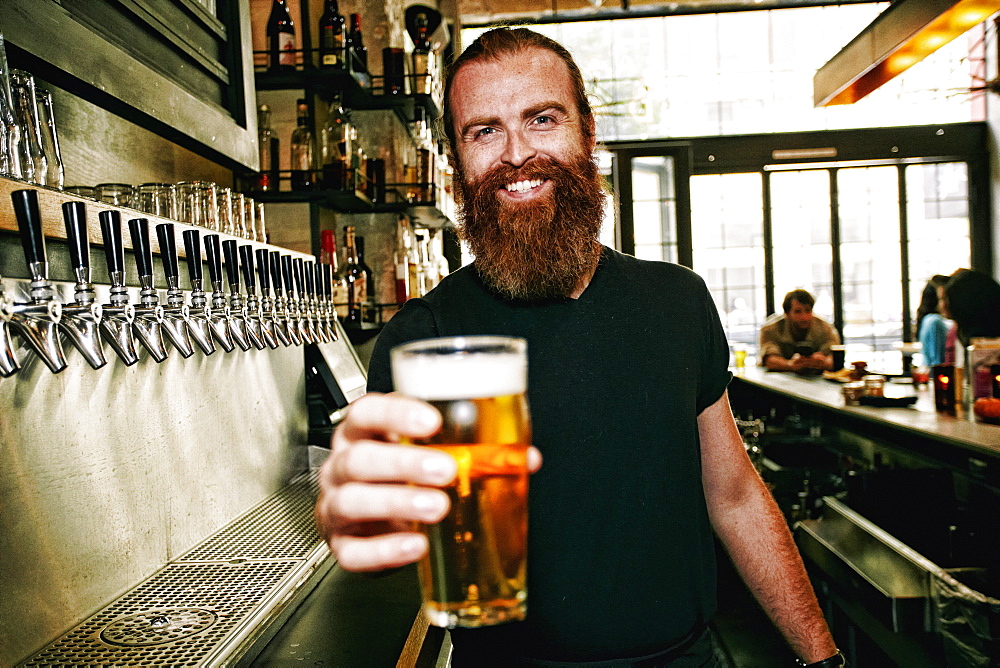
x=627 y=379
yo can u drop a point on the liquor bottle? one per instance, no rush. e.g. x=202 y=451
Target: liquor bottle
x=359 y=243
x=422 y=56
x=281 y=38
x=331 y=36
x=267 y=148
x=359 y=163
x=328 y=255
x=356 y=46
x=413 y=265
x=401 y=259
x=302 y=150
x=335 y=147
x=357 y=281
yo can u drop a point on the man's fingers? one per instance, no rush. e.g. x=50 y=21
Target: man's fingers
x=378 y=553
x=359 y=502
x=388 y=416
x=370 y=461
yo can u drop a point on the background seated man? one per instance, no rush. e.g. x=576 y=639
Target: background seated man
x=797 y=341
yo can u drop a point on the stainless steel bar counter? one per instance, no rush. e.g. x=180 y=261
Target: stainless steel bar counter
x=919 y=426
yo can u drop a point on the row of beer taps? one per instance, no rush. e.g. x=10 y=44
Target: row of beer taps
x=300 y=312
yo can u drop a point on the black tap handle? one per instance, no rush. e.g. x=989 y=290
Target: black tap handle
x=327 y=282
x=29 y=221
x=232 y=263
x=192 y=248
x=286 y=273
x=139 y=229
x=246 y=265
x=310 y=276
x=275 y=262
x=111 y=233
x=75 y=216
x=262 y=259
x=298 y=274
x=168 y=249
x=214 y=258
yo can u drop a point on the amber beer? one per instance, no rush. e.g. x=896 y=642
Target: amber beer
x=475 y=572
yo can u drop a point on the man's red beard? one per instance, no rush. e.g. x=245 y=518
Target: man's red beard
x=537 y=250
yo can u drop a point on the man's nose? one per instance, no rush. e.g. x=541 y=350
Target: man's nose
x=518 y=150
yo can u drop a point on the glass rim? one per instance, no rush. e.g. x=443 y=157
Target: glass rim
x=445 y=345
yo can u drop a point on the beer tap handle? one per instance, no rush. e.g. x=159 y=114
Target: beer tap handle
x=298 y=274
x=192 y=247
x=246 y=266
x=75 y=216
x=114 y=249
x=168 y=251
x=274 y=260
x=139 y=229
x=310 y=275
x=286 y=273
x=262 y=259
x=323 y=276
x=29 y=222
x=232 y=264
x=214 y=258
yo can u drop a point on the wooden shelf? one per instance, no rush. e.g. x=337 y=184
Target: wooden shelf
x=53 y=227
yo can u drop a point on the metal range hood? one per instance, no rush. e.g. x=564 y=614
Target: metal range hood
x=905 y=33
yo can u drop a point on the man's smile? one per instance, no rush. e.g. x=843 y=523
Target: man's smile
x=525 y=187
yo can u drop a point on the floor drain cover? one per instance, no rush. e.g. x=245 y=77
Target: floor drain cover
x=155 y=627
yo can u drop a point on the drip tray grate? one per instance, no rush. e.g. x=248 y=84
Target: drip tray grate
x=193 y=606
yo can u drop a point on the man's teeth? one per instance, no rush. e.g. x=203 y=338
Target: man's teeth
x=522 y=186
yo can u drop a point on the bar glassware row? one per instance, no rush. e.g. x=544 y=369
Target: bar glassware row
x=29 y=142
x=200 y=203
x=300 y=311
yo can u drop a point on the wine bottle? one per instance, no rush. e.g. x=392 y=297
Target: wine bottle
x=357 y=281
x=356 y=46
x=302 y=150
x=267 y=147
x=328 y=255
x=422 y=56
x=331 y=36
x=335 y=145
x=359 y=244
x=401 y=259
x=280 y=38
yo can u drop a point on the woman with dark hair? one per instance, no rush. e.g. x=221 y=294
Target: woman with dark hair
x=973 y=302
x=932 y=328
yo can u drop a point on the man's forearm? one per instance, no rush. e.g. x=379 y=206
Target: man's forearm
x=761 y=547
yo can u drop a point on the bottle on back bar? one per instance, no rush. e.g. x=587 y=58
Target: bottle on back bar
x=267 y=146
x=358 y=52
x=335 y=147
x=280 y=38
x=357 y=281
x=401 y=259
x=302 y=150
x=328 y=255
x=331 y=36
x=359 y=244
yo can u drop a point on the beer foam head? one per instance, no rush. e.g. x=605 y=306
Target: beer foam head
x=460 y=368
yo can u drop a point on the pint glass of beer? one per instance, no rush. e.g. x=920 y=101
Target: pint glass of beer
x=475 y=572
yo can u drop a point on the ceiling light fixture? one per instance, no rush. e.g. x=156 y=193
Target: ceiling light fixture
x=904 y=34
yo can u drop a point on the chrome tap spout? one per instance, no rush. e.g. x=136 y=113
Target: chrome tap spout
x=8 y=361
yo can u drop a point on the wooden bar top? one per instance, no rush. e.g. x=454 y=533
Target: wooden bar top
x=921 y=419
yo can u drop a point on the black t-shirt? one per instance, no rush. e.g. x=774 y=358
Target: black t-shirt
x=621 y=557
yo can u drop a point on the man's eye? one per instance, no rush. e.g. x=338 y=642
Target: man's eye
x=543 y=120
x=483 y=132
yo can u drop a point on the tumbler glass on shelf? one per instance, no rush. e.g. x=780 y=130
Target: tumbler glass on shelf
x=118 y=194
x=32 y=155
x=55 y=174
x=249 y=218
x=10 y=131
x=207 y=195
x=189 y=203
x=261 y=227
x=82 y=191
x=224 y=210
x=157 y=199
x=237 y=215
